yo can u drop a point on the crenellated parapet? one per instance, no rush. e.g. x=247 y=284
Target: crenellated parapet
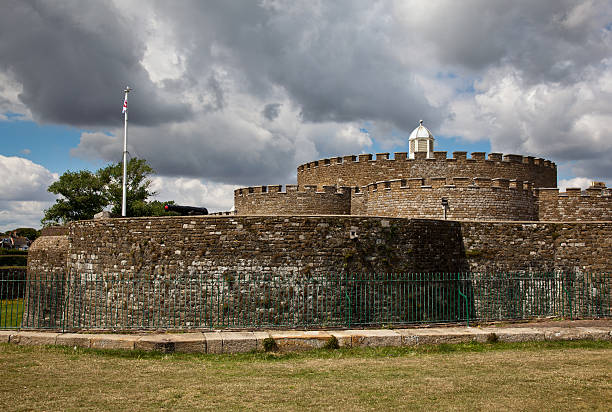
x=363 y=169
x=592 y=204
x=295 y=200
x=479 y=198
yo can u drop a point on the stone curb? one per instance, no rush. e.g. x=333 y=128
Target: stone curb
x=241 y=342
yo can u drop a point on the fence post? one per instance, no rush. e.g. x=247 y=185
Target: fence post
x=467 y=309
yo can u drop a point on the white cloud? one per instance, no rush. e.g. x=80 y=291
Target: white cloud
x=24 y=180
x=580 y=182
x=21 y=214
x=23 y=192
x=194 y=192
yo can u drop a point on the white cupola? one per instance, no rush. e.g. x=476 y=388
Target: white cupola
x=421 y=140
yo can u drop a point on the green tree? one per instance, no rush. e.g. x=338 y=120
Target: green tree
x=138 y=184
x=28 y=232
x=83 y=193
x=82 y=196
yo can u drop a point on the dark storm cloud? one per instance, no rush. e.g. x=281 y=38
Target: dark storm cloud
x=271 y=111
x=546 y=40
x=333 y=59
x=74 y=58
x=525 y=72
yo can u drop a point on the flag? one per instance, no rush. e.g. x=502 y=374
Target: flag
x=125 y=104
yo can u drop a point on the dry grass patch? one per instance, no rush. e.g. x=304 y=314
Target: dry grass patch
x=535 y=376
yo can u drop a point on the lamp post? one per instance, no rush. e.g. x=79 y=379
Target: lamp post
x=444 y=206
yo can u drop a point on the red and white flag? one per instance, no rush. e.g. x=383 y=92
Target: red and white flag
x=125 y=104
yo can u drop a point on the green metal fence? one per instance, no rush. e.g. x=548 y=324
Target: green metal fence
x=244 y=300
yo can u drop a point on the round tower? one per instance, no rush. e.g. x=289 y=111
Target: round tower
x=421 y=140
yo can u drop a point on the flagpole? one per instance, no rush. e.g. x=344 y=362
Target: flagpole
x=123 y=199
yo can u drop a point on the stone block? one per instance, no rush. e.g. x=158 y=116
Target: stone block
x=34 y=338
x=214 y=342
x=111 y=341
x=238 y=342
x=595 y=333
x=435 y=336
x=189 y=342
x=156 y=343
x=517 y=334
x=344 y=338
x=563 y=334
x=73 y=339
x=5 y=335
x=288 y=341
x=375 y=338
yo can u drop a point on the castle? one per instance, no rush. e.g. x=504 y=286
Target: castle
x=414 y=185
x=294 y=254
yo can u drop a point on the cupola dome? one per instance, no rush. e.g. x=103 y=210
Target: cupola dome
x=421 y=140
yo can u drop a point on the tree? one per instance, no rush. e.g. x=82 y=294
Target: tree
x=138 y=184
x=83 y=193
x=28 y=232
x=82 y=196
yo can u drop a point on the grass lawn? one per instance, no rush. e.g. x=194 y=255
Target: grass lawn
x=528 y=376
x=11 y=311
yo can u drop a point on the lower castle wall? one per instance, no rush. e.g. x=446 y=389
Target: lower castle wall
x=538 y=246
x=121 y=272
x=47 y=258
x=175 y=255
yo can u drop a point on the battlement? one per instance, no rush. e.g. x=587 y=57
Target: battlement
x=479 y=198
x=594 y=203
x=363 y=169
x=439 y=156
x=271 y=189
x=295 y=200
x=452 y=182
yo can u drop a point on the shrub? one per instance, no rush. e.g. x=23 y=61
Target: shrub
x=269 y=345
x=332 y=343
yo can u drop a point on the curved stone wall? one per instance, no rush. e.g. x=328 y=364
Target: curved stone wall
x=271 y=200
x=45 y=297
x=201 y=270
x=361 y=170
x=468 y=199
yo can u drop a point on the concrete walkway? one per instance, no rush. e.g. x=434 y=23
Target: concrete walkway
x=292 y=340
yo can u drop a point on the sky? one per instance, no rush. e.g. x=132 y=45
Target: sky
x=236 y=93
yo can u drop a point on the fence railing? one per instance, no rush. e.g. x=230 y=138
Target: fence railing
x=240 y=300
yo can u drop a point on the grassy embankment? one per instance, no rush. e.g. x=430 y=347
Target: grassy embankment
x=500 y=376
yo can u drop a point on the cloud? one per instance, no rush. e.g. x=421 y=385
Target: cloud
x=271 y=111
x=73 y=59
x=23 y=192
x=24 y=180
x=194 y=192
x=241 y=93
x=581 y=182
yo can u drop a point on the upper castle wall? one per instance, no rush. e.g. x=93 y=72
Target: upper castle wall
x=296 y=200
x=573 y=205
x=361 y=170
x=468 y=199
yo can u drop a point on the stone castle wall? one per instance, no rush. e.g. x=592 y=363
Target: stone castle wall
x=538 y=246
x=468 y=199
x=573 y=205
x=295 y=200
x=361 y=170
x=185 y=272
